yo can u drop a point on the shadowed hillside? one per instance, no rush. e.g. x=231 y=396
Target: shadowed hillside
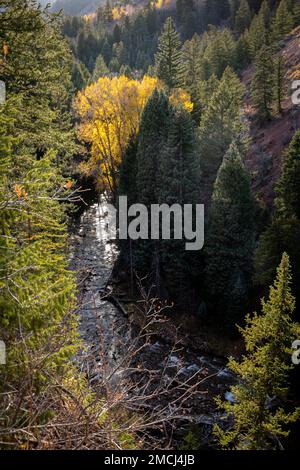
x=269 y=141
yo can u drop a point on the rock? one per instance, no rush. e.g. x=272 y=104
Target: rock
x=229 y=396
x=225 y=373
x=156 y=347
x=173 y=360
x=193 y=368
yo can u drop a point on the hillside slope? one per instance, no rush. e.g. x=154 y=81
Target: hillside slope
x=269 y=142
x=76 y=7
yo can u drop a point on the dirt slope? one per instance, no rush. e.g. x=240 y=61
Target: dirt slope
x=269 y=142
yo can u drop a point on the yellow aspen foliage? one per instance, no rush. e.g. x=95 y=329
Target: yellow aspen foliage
x=110 y=111
x=5 y=50
x=181 y=97
x=20 y=192
x=162 y=4
x=120 y=12
x=69 y=184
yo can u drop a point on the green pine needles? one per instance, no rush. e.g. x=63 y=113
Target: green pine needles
x=259 y=412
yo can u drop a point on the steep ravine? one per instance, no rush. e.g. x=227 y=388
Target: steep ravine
x=105 y=329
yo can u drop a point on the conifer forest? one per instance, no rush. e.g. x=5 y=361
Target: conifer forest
x=150 y=225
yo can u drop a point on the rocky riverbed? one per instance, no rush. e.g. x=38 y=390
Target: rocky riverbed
x=180 y=378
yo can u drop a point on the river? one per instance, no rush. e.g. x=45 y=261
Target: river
x=108 y=335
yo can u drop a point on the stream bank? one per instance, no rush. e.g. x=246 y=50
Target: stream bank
x=108 y=335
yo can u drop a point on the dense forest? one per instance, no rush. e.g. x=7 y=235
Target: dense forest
x=139 y=342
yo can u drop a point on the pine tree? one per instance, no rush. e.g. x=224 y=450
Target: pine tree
x=168 y=59
x=106 y=52
x=190 y=58
x=283 y=22
x=100 y=69
x=80 y=75
x=264 y=372
x=263 y=82
x=296 y=12
x=243 y=56
x=167 y=173
x=37 y=289
x=243 y=17
x=192 y=70
x=288 y=187
x=127 y=187
x=234 y=6
x=257 y=35
x=279 y=81
x=179 y=183
x=128 y=171
x=107 y=13
x=34 y=43
x=283 y=232
x=114 y=65
x=221 y=123
x=206 y=89
x=230 y=240
x=220 y=52
x=265 y=12
x=117 y=34
x=214 y=11
x=126 y=70
x=152 y=138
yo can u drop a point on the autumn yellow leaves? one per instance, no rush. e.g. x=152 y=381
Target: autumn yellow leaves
x=110 y=112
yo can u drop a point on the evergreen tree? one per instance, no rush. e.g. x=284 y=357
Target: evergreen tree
x=81 y=46
x=126 y=70
x=279 y=81
x=288 y=187
x=243 y=55
x=152 y=138
x=265 y=13
x=127 y=187
x=168 y=60
x=37 y=290
x=117 y=34
x=107 y=13
x=190 y=57
x=284 y=230
x=34 y=43
x=230 y=240
x=206 y=89
x=114 y=65
x=128 y=171
x=264 y=372
x=167 y=167
x=296 y=12
x=106 y=52
x=221 y=123
x=283 y=22
x=179 y=183
x=234 y=6
x=80 y=75
x=263 y=82
x=257 y=36
x=243 y=17
x=220 y=52
x=100 y=69
x=214 y=11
